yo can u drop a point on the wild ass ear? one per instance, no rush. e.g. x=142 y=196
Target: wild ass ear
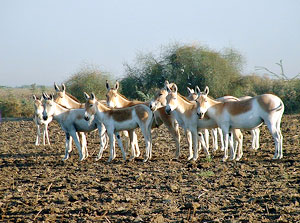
x=117 y=85
x=168 y=89
x=56 y=87
x=197 y=89
x=206 y=90
x=166 y=84
x=107 y=85
x=45 y=96
x=190 y=91
x=93 y=97
x=34 y=97
x=174 y=88
x=86 y=96
x=51 y=96
x=63 y=87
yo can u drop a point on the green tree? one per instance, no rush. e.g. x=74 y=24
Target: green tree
x=186 y=65
x=88 y=79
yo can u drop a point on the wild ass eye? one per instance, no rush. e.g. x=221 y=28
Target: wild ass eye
x=91 y=105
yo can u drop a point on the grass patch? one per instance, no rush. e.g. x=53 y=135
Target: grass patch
x=208 y=173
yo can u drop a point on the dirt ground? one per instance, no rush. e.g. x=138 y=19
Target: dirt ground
x=36 y=185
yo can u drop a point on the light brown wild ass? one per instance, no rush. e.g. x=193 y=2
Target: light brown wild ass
x=186 y=115
x=245 y=114
x=39 y=121
x=116 y=120
x=115 y=100
x=69 y=101
x=254 y=132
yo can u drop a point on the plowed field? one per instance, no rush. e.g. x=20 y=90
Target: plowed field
x=36 y=185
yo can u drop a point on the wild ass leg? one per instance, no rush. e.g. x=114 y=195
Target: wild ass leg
x=189 y=139
x=38 y=135
x=103 y=140
x=195 y=144
x=202 y=143
x=226 y=139
x=77 y=144
x=232 y=146
x=147 y=137
x=173 y=128
x=239 y=137
x=82 y=139
x=46 y=133
x=221 y=138
x=132 y=146
x=277 y=136
x=112 y=154
x=214 y=133
x=135 y=144
x=206 y=135
x=68 y=146
x=120 y=145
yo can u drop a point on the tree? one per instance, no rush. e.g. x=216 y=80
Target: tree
x=186 y=65
x=88 y=79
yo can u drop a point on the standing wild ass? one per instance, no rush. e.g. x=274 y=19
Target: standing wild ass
x=69 y=101
x=186 y=114
x=116 y=120
x=245 y=114
x=71 y=122
x=116 y=100
x=40 y=122
x=254 y=132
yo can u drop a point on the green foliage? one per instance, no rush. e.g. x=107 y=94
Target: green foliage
x=186 y=66
x=16 y=107
x=88 y=79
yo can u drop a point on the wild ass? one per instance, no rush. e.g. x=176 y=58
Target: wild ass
x=69 y=101
x=254 y=132
x=71 y=122
x=186 y=114
x=39 y=121
x=116 y=120
x=115 y=100
x=245 y=114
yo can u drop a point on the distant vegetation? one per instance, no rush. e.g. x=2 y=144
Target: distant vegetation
x=186 y=65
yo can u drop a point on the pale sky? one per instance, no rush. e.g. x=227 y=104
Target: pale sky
x=46 y=41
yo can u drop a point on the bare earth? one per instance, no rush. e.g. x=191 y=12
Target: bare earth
x=35 y=185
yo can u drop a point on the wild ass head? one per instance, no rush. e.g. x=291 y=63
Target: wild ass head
x=171 y=99
x=90 y=106
x=202 y=102
x=159 y=99
x=49 y=106
x=112 y=95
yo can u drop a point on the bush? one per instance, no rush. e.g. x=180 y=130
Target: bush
x=186 y=65
x=88 y=79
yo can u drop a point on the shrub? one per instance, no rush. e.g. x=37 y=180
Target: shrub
x=88 y=79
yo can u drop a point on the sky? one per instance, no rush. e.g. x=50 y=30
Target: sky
x=47 y=41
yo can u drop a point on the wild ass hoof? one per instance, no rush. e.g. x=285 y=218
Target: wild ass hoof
x=225 y=158
x=65 y=158
x=189 y=158
x=238 y=158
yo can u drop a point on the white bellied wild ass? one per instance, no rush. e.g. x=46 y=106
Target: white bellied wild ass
x=185 y=112
x=116 y=120
x=69 y=101
x=254 y=132
x=71 y=122
x=40 y=122
x=115 y=100
x=245 y=114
